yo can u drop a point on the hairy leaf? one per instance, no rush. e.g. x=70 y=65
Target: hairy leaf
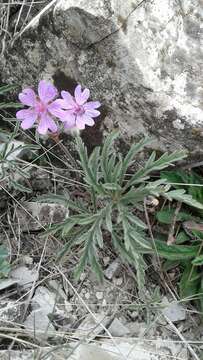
x=189 y=282
x=180 y=195
x=176 y=252
x=166 y=216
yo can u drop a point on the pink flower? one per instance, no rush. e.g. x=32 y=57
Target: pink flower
x=41 y=109
x=78 y=112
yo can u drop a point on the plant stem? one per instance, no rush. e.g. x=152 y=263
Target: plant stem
x=72 y=161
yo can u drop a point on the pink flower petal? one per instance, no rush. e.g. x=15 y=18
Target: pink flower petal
x=69 y=119
x=92 y=113
x=81 y=97
x=80 y=123
x=69 y=102
x=61 y=103
x=28 y=118
x=46 y=123
x=27 y=97
x=46 y=91
x=51 y=124
x=90 y=105
x=55 y=109
x=26 y=113
x=27 y=123
x=43 y=126
x=88 y=120
x=70 y=122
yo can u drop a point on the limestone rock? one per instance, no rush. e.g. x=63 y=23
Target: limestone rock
x=92 y=326
x=34 y=216
x=44 y=299
x=119 y=350
x=117 y=328
x=141 y=59
x=24 y=276
x=174 y=312
x=40 y=324
x=10 y=312
x=5 y=283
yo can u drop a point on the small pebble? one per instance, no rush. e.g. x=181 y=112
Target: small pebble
x=99 y=295
x=82 y=277
x=119 y=281
x=68 y=307
x=106 y=260
x=87 y=295
x=27 y=260
x=104 y=303
x=134 y=315
x=112 y=268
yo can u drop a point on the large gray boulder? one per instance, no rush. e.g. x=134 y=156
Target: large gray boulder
x=142 y=59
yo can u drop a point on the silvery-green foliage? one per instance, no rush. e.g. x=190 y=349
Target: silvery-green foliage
x=112 y=211
x=12 y=171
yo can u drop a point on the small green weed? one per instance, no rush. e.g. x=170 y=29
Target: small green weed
x=189 y=235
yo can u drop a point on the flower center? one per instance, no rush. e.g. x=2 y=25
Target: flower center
x=40 y=107
x=78 y=110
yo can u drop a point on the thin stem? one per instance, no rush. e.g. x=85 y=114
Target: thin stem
x=73 y=163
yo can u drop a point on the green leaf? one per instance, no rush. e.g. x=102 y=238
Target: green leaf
x=17 y=186
x=120 y=247
x=164 y=161
x=166 y=216
x=99 y=237
x=65 y=249
x=170 y=264
x=198 y=261
x=93 y=162
x=6 y=88
x=53 y=199
x=4 y=264
x=85 y=219
x=108 y=218
x=90 y=177
x=140 y=240
x=133 y=219
x=189 y=282
x=176 y=252
x=174 y=177
x=111 y=186
x=130 y=157
x=180 y=195
x=106 y=153
x=4 y=105
x=116 y=174
x=182 y=237
x=68 y=225
x=95 y=264
x=135 y=195
x=81 y=265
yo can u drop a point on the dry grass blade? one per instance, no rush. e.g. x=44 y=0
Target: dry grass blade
x=190 y=349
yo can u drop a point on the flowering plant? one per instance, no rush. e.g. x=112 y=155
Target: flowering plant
x=113 y=209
